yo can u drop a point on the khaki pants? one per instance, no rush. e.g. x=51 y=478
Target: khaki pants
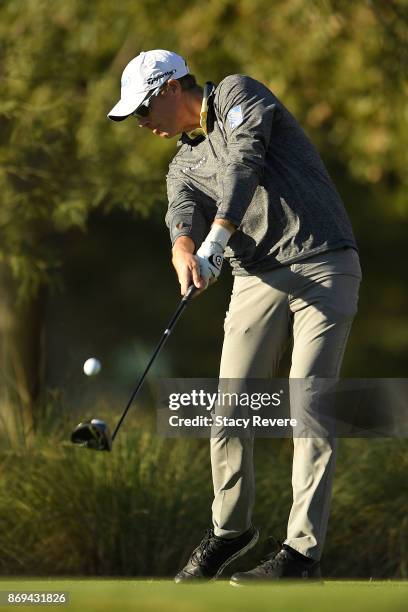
x=312 y=302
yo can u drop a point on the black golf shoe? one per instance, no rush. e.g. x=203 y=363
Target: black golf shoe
x=213 y=554
x=285 y=564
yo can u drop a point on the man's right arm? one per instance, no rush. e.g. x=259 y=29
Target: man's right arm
x=188 y=223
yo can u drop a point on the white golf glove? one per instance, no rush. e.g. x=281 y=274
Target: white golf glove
x=210 y=255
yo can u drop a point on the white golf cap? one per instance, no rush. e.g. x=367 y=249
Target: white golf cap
x=143 y=73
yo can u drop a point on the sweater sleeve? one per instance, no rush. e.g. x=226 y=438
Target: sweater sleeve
x=185 y=216
x=246 y=109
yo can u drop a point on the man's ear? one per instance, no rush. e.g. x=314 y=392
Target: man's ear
x=173 y=87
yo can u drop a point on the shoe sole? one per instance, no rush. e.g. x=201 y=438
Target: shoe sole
x=302 y=581
x=238 y=554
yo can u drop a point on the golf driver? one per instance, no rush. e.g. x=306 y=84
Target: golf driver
x=95 y=434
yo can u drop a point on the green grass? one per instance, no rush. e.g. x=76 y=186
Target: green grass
x=160 y=595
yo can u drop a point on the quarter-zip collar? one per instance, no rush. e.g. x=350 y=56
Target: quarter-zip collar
x=199 y=134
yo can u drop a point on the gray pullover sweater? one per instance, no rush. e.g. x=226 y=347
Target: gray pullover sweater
x=257 y=169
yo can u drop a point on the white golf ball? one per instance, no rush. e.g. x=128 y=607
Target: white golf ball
x=92 y=366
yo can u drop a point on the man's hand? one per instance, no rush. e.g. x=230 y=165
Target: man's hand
x=186 y=264
x=205 y=267
x=210 y=255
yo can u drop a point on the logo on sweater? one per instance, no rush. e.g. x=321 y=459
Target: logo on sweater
x=195 y=166
x=182 y=225
x=235 y=117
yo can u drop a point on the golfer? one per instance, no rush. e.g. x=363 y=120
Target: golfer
x=247 y=184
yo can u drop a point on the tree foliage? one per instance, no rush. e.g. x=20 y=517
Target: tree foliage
x=337 y=65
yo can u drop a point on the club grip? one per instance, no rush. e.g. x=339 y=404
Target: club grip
x=190 y=292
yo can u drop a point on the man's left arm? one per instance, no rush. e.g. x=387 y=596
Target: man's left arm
x=247 y=111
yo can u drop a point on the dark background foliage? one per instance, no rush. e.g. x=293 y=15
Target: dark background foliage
x=85 y=269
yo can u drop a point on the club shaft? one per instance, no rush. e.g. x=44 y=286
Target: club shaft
x=158 y=348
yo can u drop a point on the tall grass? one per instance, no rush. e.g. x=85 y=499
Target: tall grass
x=368 y=529
x=65 y=510
x=142 y=508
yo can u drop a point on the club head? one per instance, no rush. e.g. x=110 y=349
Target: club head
x=93 y=434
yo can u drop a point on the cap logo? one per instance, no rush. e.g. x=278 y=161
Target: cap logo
x=153 y=80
